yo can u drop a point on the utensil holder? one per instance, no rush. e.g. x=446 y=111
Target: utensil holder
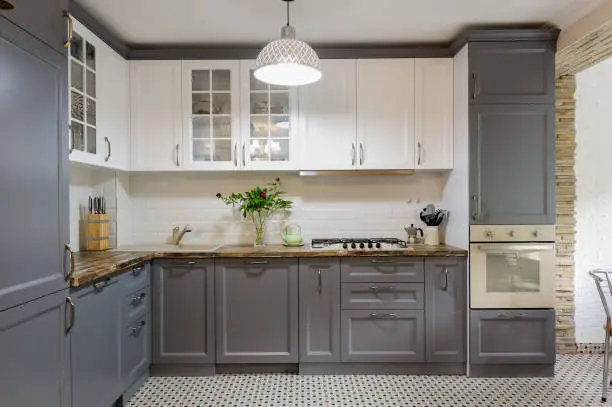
x=432 y=236
x=97 y=232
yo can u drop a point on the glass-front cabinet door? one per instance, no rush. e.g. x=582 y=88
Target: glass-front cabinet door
x=269 y=123
x=211 y=129
x=83 y=127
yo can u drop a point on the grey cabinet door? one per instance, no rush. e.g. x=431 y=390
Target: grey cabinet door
x=33 y=349
x=183 y=308
x=445 y=309
x=96 y=345
x=257 y=310
x=512 y=164
x=512 y=72
x=42 y=18
x=135 y=349
x=319 y=310
x=34 y=165
x=383 y=296
x=382 y=269
x=383 y=336
x=512 y=336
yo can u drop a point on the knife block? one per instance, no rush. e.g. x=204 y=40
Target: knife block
x=97 y=232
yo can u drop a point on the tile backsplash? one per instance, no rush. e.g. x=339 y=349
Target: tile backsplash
x=324 y=206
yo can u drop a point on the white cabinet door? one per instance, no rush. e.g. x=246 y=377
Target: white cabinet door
x=211 y=114
x=434 y=113
x=385 y=114
x=269 y=123
x=327 y=118
x=156 y=126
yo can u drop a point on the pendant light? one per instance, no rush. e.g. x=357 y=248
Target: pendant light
x=6 y=5
x=287 y=62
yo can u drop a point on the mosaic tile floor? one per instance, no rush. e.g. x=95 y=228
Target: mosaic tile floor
x=576 y=384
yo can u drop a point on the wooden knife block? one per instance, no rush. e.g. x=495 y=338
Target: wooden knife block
x=97 y=232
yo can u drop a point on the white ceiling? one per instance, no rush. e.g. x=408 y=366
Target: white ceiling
x=320 y=21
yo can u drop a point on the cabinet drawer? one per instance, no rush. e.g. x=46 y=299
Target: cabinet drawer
x=136 y=348
x=136 y=303
x=383 y=336
x=382 y=296
x=136 y=278
x=383 y=269
x=512 y=336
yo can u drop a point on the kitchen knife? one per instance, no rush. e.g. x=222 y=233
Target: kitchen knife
x=90 y=205
x=102 y=205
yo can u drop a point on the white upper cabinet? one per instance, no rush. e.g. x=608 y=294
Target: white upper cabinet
x=434 y=113
x=269 y=124
x=385 y=114
x=327 y=118
x=156 y=125
x=211 y=115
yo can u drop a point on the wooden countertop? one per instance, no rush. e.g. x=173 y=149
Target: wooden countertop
x=90 y=266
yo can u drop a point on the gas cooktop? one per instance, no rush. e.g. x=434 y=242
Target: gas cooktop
x=359 y=244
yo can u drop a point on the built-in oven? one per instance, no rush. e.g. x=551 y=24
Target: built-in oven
x=512 y=266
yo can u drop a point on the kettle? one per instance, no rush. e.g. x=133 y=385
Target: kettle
x=413 y=233
x=292 y=235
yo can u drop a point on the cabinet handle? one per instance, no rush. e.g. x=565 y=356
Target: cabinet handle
x=70 y=29
x=137 y=270
x=108 y=144
x=259 y=262
x=380 y=261
x=236 y=155
x=136 y=329
x=178 y=164
x=476 y=200
x=70 y=268
x=320 y=287
x=98 y=285
x=353 y=154
x=419 y=147
x=243 y=154
x=138 y=300
x=191 y=263
x=72 y=314
x=375 y=315
x=361 y=154
x=382 y=288
x=519 y=315
x=476 y=92
x=445 y=287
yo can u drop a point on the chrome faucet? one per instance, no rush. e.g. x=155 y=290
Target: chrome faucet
x=178 y=234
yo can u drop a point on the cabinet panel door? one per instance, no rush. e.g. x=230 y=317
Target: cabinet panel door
x=382 y=270
x=35 y=367
x=183 y=311
x=136 y=349
x=328 y=118
x=512 y=72
x=383 y=296
x=34 y=167
x=434 y=113
x=385 y=113
x=319 y=310
x=156 y=126
x=383 y=336
x=445 y=305
x=257 y=311
x=512 y=336
x=42 y=19
x=512 y=159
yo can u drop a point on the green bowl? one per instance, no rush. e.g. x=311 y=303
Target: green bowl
x=292 y=239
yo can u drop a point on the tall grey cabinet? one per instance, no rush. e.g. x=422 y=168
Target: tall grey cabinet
x=257 y=310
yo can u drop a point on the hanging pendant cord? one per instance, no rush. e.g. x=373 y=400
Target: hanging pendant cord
x=288 y=12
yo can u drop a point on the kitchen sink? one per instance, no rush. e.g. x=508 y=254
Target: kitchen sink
x=169 y=248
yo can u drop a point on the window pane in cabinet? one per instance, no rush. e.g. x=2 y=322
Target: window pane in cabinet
x=91 y=84
x=76 y=75
x=222 y=150
x=91 y=111
x=91 y=140
x=90 y=55
x=76 y=106
x=280 y=126
x=76 y=47
x=201 y=127
x=259 y=127
x=259 y=150
x=221 y=80
x=221 y=103
x=279 y=103
x=200 y=80
x=201 y=150
x=200 y=103
x=256 y=84
x=279 y=150
x=222 y=127
x=259 y=103
x=278 y=87
x=78 y=136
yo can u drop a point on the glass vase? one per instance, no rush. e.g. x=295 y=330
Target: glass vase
x=259 y=222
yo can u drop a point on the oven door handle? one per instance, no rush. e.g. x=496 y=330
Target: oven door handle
x=497 y=248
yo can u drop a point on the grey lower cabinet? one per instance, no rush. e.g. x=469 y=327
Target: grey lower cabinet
x=512 y=164
x=183 y=308
x=512 y=336
x=34 y=353
x=319 y=292
x=445 y=309
x=256 y=310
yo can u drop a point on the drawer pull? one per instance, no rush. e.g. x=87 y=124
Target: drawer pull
x=382 y=316
x=191 y=263
x=72 y=314
x=136 y=329
x=445 y=287
x=137 y=270
x=519 y=315
x=98 y=285
x=138 y=300
x=259 y=262
x=382 y=288
x=379 y=261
